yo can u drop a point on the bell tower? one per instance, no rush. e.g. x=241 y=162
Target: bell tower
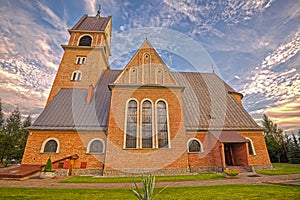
x=85 y=55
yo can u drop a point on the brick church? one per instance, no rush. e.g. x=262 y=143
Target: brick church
x=142 y=119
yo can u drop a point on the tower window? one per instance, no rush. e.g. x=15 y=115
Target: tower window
x=76 y=76
x=81 y=60
x=85 y=41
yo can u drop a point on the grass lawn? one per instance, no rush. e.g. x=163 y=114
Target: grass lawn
x=202 y=192
x=282 y=168
x=91 y=179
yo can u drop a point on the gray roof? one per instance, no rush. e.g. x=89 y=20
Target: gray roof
x=91 y=23
x=207 y=105
x=69 y=111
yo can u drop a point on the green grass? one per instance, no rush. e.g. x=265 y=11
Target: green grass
x=202 y=192
x=91 y=179
x=281 y=169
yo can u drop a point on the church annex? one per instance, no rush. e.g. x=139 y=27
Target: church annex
x=142 y=119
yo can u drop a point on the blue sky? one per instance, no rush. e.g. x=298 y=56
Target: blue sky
x=253 y=45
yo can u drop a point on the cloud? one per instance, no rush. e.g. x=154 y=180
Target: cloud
x=276 y=86
x=30 y=53
x=91 y=6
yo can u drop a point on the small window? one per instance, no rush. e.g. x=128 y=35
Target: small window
x=85 y=41
x=96 y=146
x=81 y=60
x=76 y=76
x=133 y=76
x=159 y=76
x=61 y=165
x=194 y=146
x=51 y=146
x=250 y=147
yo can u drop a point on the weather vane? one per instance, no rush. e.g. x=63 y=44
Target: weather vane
x=212 y=67
x=99 y=11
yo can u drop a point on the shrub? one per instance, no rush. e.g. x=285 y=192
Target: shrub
x=48 y=167
x=231 y=172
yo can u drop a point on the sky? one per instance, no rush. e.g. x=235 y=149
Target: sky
x=252 y=45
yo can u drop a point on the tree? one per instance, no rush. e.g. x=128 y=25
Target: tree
x=13 y=131
x=274 y=138
x=1 y=116
x=23 y=136
x=293 y=145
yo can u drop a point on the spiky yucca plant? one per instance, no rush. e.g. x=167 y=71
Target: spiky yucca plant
x=148 y=185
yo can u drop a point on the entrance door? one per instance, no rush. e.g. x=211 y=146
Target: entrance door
x=228 y=154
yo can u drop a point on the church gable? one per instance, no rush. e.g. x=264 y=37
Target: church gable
x=146 y=68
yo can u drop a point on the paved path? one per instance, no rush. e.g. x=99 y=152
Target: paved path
x=293 y=179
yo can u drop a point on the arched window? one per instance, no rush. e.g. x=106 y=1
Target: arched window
x=251 y=149
x=85 y=41
x=131 y=125
x=159 y=76
x=194 y=145
x=76 y=76
x=50 y=145
x=96 y=146
x=147 y=133
x=162 y=125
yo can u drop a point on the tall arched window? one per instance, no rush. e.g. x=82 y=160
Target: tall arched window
x=194 y=146
x=76 y=76
x=50 y=146
x=131 y=125
x=162 y=125
x=147 y=133
x=85 y=41
x=96 y=146
x=251 y=149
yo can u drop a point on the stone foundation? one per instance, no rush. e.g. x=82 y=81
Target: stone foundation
x=138 y=172
x=211 y=169
x=87 y=172
x=262 y=167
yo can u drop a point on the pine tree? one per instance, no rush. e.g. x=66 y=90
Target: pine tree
x=13 y=131
x=293 y=145
x=274 y=138
x=24 y=136
x=1 y=117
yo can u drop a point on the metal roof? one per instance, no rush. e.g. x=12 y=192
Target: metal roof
x=207 y=105
x=91 y=23
x=69 y=111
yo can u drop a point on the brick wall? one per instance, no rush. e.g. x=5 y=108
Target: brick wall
x=71 y=143
x=262 y=156
x=118 y=158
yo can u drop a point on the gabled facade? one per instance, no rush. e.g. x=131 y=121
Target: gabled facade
x=142 y=119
